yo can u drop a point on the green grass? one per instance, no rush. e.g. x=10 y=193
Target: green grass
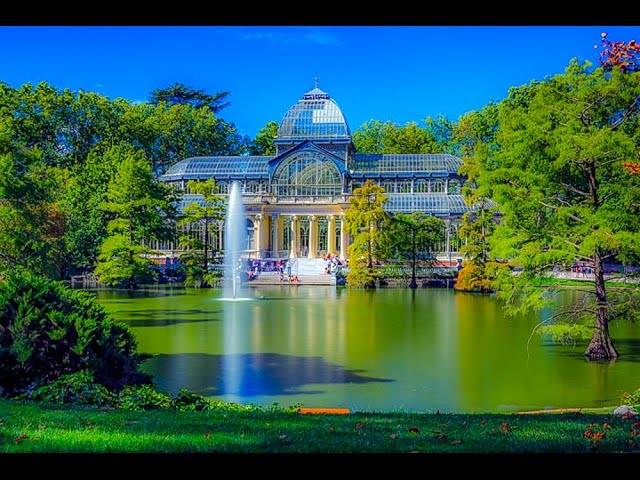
x=41 y=428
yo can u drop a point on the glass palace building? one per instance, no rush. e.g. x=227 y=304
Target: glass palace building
x=295 y=200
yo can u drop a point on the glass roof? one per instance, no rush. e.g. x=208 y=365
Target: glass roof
x=315 y=116
x=434 y=203
x=198 y=167
x=405 y=163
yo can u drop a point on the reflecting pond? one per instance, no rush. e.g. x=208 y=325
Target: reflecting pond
x=392 y=349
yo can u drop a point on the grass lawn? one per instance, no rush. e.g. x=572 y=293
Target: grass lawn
x=41 y=428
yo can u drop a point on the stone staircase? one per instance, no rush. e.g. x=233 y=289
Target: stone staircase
x=310 y=271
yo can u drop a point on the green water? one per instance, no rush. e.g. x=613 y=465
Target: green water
x=386 y=350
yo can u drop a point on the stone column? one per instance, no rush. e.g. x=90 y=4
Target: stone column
x=313 y=244
x=293 y=247
x=274 y=240
x=257 y=236
x=343 y=239
x=331 y=234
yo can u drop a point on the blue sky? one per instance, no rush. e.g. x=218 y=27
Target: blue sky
x=386 y=73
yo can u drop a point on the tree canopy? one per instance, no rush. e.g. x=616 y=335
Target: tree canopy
x=55 y=158
x=413 y=237
x=556 y=171
x=141 y=209
x=364 y=220
x=209 y=217
x=375 y=136
x=180 y=94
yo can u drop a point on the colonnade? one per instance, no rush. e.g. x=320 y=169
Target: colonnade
x=298 y=235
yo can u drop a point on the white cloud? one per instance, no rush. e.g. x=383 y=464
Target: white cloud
x=294 y=36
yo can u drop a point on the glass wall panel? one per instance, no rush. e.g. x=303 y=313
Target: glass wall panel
x=307 y=174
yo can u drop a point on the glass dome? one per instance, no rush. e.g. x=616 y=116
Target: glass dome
x=315 y=116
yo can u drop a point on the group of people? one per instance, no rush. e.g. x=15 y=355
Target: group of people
x=333 y=262
x=290 y=278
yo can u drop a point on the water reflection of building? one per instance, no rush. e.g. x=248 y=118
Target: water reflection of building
x=295 y=200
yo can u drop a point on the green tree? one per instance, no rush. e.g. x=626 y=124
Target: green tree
x=141 y=209
x=478 y=272
x=208 y=216
x=413 y=237
x=377 y=137
x=31 y=222
x=441 y=129
x=85 y=192
x=170 y=133
x=364 y=220
x=263 y=143
x=556 y=172
x=474 y=129
x=180 y=94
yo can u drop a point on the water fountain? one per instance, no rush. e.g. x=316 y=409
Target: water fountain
x=234 y=243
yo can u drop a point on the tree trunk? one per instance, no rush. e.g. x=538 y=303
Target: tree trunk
x=601 y=346
x=413 y=283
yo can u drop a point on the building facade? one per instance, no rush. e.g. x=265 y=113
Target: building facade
x=295 y=200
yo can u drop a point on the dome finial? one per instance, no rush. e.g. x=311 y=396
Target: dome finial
x=316 y=80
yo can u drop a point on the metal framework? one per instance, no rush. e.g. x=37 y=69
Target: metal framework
x=295 y=200
x=315 y=116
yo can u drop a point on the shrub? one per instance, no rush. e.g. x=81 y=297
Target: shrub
x=189 y=401
x=632 y=398
x=76 y=388
x=143 y=397
x=48 y=330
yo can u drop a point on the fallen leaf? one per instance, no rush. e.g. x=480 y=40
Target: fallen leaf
x=606 y=426
x=20 y=438
x=393 y=436
x=456 y=442
x=414 y=430
x=207 y=435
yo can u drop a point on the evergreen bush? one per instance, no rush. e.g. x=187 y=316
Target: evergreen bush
x=48 y=330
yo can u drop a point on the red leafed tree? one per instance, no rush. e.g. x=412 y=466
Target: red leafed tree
x=626 y=56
